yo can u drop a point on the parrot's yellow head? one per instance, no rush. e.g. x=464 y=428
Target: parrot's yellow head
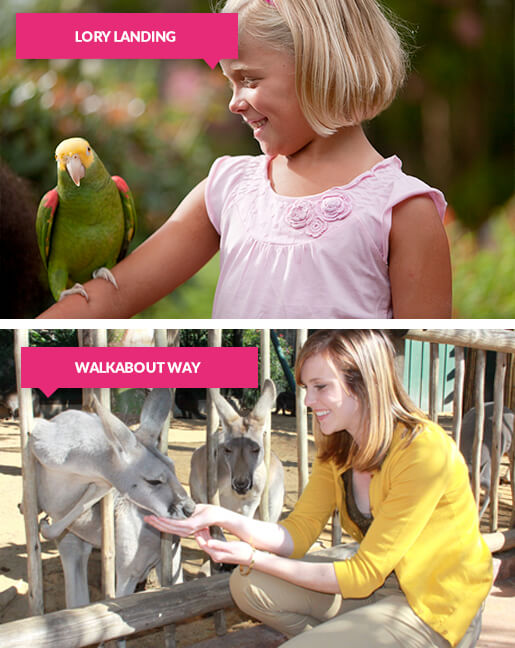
x=74 y=155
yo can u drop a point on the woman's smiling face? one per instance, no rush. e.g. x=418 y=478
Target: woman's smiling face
x=334 y=405
x=264 y=95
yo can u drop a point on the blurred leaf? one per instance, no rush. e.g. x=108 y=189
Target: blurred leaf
x=484 y=277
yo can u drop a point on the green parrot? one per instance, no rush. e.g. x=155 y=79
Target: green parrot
x=85 y=224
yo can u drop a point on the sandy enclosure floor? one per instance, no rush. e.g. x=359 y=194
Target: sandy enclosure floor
x=185 y=436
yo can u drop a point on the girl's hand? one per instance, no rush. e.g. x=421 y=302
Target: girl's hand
x=204 y=516
x=233 y=552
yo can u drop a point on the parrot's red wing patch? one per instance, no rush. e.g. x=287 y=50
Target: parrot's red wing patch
x=129 y=213
x=121 y=184
x=45 y=221
x=51 y=200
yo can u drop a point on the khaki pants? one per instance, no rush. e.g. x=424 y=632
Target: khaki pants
x=316 y=620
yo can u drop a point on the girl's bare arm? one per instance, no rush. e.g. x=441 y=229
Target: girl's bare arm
x=419 y=262
x=164 y=261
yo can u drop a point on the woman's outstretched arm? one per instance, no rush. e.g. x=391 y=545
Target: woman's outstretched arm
x=268 y=536
x=169 y=257
x=317 y=576
x=263 y=545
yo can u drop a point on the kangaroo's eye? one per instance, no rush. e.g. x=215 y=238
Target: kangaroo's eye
x=154 y=482
x=255 y=450
x=227 y=450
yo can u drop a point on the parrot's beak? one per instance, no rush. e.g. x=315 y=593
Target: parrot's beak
x=76 y=169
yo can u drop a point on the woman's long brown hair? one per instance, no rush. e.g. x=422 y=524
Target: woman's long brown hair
x=365 y=362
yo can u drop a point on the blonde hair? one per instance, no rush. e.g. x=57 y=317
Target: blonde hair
x=349 y=59
x=365 y=360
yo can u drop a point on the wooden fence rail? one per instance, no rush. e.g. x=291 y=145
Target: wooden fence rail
x=486 y=339
x=121 y=617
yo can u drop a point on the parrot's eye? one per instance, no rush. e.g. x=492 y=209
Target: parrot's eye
x=89 y=150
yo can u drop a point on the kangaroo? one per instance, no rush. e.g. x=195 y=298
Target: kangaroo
x=187 y=400
x=241 y=466
x=80 y=457
x=286 y=402
x=467 y=440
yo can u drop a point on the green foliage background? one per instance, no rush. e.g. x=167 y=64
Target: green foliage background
x=161 y=124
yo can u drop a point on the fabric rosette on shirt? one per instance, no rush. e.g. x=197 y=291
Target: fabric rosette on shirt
x=315 y=217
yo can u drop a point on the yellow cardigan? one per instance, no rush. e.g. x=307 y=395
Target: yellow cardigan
x=425 y=528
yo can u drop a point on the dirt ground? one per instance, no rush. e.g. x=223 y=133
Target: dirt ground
x=185 y=436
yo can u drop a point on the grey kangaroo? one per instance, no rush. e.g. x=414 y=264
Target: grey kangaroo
x=241 y=467
x=80 y=457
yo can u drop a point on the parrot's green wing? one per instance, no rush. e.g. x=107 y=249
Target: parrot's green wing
x=45 y=221
x=129 y=213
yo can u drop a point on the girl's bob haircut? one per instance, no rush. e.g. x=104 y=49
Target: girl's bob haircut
x=365 y=362
x=349 y=59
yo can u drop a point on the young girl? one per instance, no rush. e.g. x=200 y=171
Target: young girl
x=420 y=571
x=320 y=225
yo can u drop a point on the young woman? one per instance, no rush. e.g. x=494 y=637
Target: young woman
x=420 y=571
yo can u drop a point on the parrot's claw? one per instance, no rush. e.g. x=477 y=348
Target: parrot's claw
x=104 y=273
x=78 y=289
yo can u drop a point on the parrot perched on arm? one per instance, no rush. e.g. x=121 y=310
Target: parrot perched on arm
x=85 y=224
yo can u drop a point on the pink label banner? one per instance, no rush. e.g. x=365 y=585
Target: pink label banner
x=207 y=36
x=52 y=367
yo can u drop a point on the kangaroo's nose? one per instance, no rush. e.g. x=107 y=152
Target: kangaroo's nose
x=182 y=509
x=242 y=486
x=188 y=507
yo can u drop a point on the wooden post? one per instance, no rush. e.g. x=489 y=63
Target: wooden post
x=161 y=340
x=30 y=500
x=267 y=440
x=459 y=383
x=512 y=479
x=399 y=345
x=99 y=339
x=433 y=381
x=500 y=374
x=480 y=420
x=167 y=540
x=214 y=339
x=85 y=337
x=302 y=421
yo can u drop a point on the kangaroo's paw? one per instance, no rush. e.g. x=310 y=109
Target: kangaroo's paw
x=46 y=528
x=78 y=289
x=105 y=273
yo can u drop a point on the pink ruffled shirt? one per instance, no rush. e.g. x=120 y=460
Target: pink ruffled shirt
x=318 y=256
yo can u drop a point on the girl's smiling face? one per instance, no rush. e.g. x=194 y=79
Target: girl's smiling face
x=334 y=405
x=263 y=85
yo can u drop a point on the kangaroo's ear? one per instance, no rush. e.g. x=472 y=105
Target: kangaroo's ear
x=118 y=434
x=155 y=411
x=227 y=413
x=266 y=400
